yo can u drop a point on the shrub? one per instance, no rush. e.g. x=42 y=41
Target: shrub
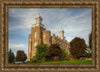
x=43 y=60
x=33 y=60
x=62 y=57
x=56 y=57
x=69 y=56
x=65 y=54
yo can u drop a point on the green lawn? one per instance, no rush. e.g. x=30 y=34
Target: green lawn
x=63 y=62
x=70 y=62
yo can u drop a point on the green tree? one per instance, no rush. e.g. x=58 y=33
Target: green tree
x=11 y=56
x=21 y=56
x=78 y=47
x=88 y=52
x=41 y=50
x=90 y=41
x=64 y=52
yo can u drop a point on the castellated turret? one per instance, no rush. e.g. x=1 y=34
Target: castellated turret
x=61 y=33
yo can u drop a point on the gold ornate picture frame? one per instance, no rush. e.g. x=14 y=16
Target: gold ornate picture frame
x=5 y=5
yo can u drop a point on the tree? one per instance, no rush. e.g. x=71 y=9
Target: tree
x=54 y=50
x=41 y=50
x=11 y=56
x=21 y=56
x=78 y=47
x=64 y=52
x=88 y=52
x=90 y=41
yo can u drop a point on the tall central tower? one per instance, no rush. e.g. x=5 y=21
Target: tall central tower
x=38 y=20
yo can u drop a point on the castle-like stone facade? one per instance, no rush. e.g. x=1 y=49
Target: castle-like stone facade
x=39 y=34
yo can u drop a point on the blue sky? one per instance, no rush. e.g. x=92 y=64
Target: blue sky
x=76 y=22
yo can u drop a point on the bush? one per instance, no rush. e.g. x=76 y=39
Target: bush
x=48 y=58
x=62 y=57
x=65 y=54
x=43 y=60
x=33 y=60
x=69 y=56
x=88 y=55
x=56 y=57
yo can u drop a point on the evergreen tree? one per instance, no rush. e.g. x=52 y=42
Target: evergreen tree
x=90 y=41
x=10 y=56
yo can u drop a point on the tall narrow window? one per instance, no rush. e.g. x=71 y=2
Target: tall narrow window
x=35 y=35
x=28 y=48
x=35 y=46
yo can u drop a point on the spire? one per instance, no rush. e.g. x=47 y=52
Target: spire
x=38 y=20
x=61 y=30
x=61 y=33
x=38 y=15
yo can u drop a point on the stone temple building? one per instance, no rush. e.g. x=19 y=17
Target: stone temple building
x=39 y=34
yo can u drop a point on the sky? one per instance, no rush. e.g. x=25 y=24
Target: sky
x=76 y=22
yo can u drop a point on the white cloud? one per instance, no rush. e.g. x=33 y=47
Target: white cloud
x=26 y=18
x=16 y=47
x=78 y=25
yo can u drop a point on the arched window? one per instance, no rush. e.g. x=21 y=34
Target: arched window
x=35 y=35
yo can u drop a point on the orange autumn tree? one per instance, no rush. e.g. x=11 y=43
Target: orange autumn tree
x=77 y=47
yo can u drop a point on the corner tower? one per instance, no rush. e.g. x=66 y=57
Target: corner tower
x=61 y=33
